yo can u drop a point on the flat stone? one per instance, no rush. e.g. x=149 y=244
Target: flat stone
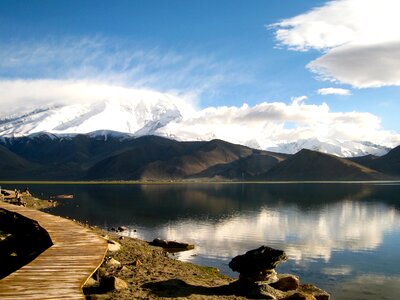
x=171 y=244
x=260 y=259
x=299 y=296
x=113 y=246
x=113 y=263
x=313 y=290
x=286 y=282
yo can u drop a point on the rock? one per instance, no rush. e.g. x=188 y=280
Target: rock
x=260 y=259
x=299 y=296
x=254 y=290
x=266 y=276
x=124 y=269
x=313 y=290
x=137 y=263
x=258 y=264
x=122 y=228
x=91 y=282
x=121 y=238
x=97 y=297
x=171 y=245
x=112 y=283
x=100 y=273
x=113 y=263
x=286 y=282
x=113 y=246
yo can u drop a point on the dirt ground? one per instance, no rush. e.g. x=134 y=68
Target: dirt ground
x=151 y=274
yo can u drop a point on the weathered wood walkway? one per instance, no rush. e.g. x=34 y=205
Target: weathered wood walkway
x=61 y=270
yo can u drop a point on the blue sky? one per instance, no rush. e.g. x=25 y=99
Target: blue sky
x=221 y=53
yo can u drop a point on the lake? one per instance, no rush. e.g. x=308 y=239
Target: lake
x=345 y=238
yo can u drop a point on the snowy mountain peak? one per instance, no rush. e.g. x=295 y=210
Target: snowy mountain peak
x=136 y=117
x=338 y=148
x=151 y=113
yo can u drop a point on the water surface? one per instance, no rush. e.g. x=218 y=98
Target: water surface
x=345 y=238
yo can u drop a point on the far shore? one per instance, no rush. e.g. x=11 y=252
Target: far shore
x=161 y=182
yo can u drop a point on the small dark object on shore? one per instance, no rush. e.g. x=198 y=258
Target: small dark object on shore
x=171 y=246
x=122 y=228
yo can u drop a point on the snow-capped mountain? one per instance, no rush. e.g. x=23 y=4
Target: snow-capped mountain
x=134 y=117
x=343 y=149
x=153 y=114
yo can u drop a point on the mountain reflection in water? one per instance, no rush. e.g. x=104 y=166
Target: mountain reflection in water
x=336 y=235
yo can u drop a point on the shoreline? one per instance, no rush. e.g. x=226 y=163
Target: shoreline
x=183 y=182
x=143 y=271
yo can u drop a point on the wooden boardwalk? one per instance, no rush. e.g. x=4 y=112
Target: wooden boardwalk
x=61 y=270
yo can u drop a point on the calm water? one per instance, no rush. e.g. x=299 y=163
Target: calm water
x=345 y=238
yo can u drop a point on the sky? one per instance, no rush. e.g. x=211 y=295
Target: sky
x=326 y=69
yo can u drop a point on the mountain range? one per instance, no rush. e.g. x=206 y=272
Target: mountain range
x=108 y=155
x=157 y=114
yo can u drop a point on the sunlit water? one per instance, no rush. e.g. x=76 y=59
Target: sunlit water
x=345 y=238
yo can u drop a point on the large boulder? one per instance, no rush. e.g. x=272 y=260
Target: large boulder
x=260 y=259
x=258 y=264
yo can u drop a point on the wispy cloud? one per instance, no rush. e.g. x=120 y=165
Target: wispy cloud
x=118 y=62
x=333 y=91
x=358 y=38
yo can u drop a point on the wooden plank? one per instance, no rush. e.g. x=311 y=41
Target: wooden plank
x=61 y=270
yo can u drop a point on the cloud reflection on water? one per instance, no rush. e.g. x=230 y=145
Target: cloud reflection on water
x=348 y=225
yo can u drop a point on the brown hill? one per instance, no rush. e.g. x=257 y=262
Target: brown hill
x=12 y=165
x=312 y=165
x=244 y=168
x=389 y=163
x=215 y=159
x=119 y=157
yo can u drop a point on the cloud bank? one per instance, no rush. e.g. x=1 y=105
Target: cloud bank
x=267 y=123
x=359 y=39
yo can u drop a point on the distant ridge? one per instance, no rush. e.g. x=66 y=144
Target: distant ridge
x=108 y=155
x=313 y=165
x=389 y=163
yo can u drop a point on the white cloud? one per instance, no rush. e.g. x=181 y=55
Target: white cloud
x=299 y=99
x=267 y=123
x=359 y=39
x=334 y=91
